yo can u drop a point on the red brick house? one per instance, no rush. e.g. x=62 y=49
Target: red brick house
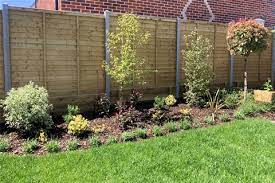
x=213 y=10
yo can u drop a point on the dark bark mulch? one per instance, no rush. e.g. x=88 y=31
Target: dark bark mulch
x=106 y=127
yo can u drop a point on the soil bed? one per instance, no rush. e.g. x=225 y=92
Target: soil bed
x=108 y=126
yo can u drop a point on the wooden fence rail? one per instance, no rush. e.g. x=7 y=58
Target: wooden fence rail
x=64 y=52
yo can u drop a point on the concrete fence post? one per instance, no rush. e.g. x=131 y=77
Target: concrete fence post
x=6 y=48
x=107 y=52
x=178 y=58
x=273 y=58
x=231 y=71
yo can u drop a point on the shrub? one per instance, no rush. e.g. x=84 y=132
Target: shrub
x=232 y=100
x=209 y=120
x=160 y=116
x=198 y=73
x=95 y=141
x=185 y=124
x=72 y=110
x=239 y=115
x=4 y=145
x=250 y=107
x=157 y=131
x=103 y=106
x=246 y=37
x=72 y=145
x=131 y=118
x=141 y=133
x=78 y=125
x=111 y=140
x=170 y=100
x=185 y=112
x=214 y=103
x=170 y=127
x=196 y=123
x=128 y=136
x=42 y=136
x=53 y=146
x=159 y=102
x=268 y=85
x=98 y=128
x=224 y=118
x=135 y=97
x=27 y=108
x=30 y=146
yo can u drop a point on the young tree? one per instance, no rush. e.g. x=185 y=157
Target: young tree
x=198 y=73
x=245 y=37
x=125 y=65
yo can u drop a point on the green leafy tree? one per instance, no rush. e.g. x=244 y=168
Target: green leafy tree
x=246 y=37
x=126 y=67
x=198 y=73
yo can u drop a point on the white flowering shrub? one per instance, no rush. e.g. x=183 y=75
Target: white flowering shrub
x=27 y=108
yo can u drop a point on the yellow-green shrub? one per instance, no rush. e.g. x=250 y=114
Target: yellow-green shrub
x=78 y=125
x=170 y=100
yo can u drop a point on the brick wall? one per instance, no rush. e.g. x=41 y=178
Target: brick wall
x=224 y=10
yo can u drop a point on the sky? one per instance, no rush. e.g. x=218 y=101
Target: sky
x=19 y=3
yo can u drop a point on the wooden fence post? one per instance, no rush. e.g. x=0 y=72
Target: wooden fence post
x=178 y=58
x=107 y=52
x=6 y=48
x=273 y=58
x=231 y=70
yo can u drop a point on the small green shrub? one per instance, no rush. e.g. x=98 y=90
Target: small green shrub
x=72 y=110
x=170 y=127
x=224 y=118
x=141 y=133
x=268 y=85
x=27 y=108
x=4 y=145
x=239 y=115
x=209 y=120
x=159 y=102
x=250 y=107
x=157 y=131
x=196 y=123
x=72 y=145
x=128 y=136
x=232 y=100
x=214 y=103
x=95 y=141
x=53 y=146
x=185 y=124
x=30 y=146
x=111 y=140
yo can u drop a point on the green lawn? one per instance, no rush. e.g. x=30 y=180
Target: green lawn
x=243 y=151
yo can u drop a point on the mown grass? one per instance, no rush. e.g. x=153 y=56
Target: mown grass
x=243 y=151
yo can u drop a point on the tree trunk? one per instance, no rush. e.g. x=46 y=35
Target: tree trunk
x=120 y=100
x=245 y=78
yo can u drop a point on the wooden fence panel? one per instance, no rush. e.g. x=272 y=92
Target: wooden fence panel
x=26 y=47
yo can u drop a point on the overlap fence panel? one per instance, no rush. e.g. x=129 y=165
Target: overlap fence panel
x=64 y=52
